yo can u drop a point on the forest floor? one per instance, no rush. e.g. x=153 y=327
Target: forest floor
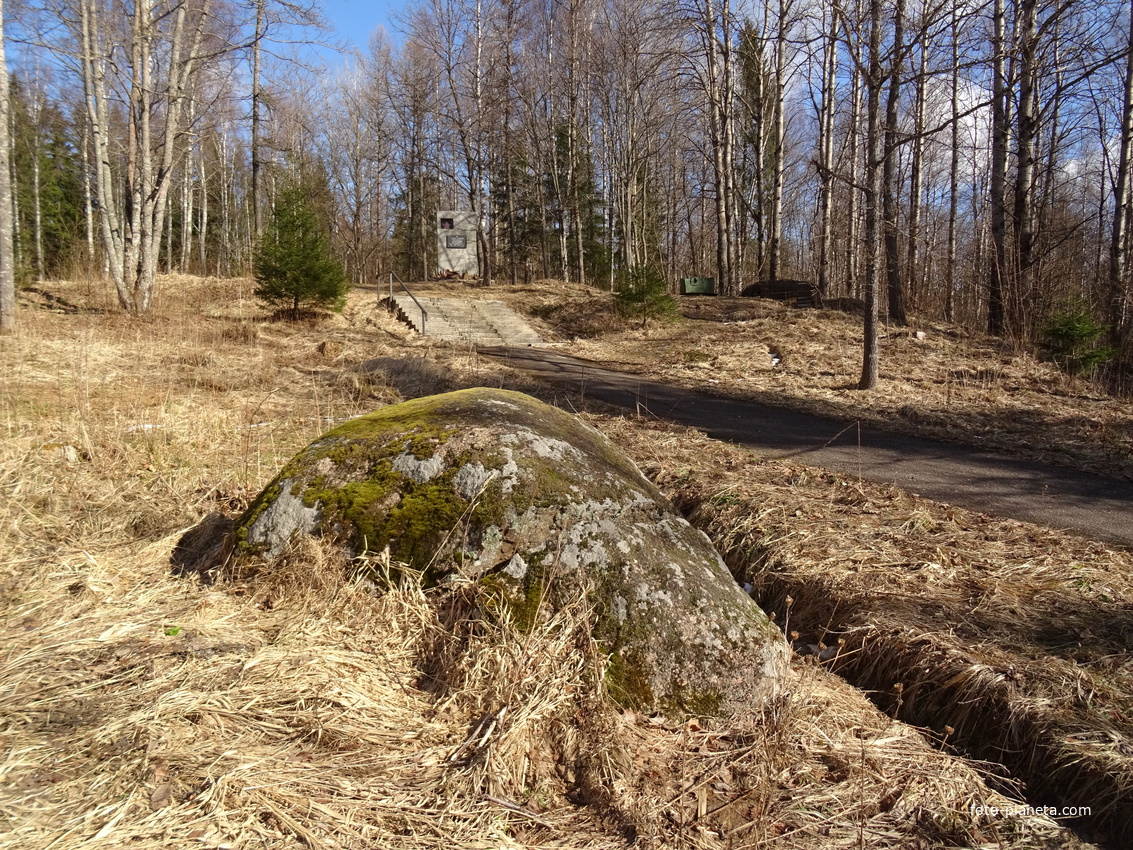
x=283 y=709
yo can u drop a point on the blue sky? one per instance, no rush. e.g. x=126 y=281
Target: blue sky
x=356 y=19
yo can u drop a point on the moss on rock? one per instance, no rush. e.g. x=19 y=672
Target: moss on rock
x=541 y=509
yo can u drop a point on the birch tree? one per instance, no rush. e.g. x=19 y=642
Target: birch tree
x=916 y=167
x=874 y=80
x=1026 y=138
x=778 y=136
x=1121 y=319
x=1000 y=133
x=715 y=70
x=152 y=76
x=411 y=96
x=7 y=258
x=953 y=168
x=258 y=37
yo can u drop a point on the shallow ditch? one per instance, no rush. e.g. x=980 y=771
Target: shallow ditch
x=982 y=699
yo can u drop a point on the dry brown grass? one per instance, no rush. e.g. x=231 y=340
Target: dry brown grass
x=305 y=705
x=1008 y=639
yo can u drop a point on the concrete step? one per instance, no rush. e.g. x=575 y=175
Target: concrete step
x=465 y=321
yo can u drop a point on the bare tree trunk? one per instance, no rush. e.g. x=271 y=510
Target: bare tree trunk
x=916 y=179
x=477 y=162
x=996 y=315
x=1026 y=137
x=88 y=199
x=257 y=106
x=759 y=156
x=778 y=137
x=873 y=83
x=186 y=212
x=139 y=157
x=853 y=285
x=505 y=163
x=36 y=177
x=7 y=269
x=573 y=85
x=1046 y=203
x=1121 y=320
x=953 y=173
x=557 y=188
x=826 y=153
x=227 y=178
x=728 y=60
x=202 y=230
x=168 y=238
x=17 y=237
x=93 y=57
x=890 y=178
x=718 y=119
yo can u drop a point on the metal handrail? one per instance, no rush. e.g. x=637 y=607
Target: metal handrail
x=424 y=312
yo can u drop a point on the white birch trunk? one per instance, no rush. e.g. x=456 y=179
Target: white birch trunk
x=996 y=314
x=1120 y=314
x=778 y=138
x=110 y=221
x=202 y=229
x=133 y=242
x=7 y=257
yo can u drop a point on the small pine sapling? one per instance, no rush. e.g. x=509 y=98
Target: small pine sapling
x=293 y=264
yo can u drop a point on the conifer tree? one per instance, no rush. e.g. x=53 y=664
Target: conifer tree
x=293 y=265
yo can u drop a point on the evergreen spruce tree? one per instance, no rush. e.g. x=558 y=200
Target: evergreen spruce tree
x=49 y=146
x=643 y=292
x=293 y=264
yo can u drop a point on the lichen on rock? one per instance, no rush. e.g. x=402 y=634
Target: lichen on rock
x=542 y=511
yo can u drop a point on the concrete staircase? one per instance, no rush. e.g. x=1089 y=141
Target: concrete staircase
x=466 y=321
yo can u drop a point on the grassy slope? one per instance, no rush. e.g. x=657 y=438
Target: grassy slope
x=288 y=708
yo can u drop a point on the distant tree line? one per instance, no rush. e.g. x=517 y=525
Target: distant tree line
x=968 y=162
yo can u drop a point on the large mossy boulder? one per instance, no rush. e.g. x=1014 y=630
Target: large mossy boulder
x=542 y=510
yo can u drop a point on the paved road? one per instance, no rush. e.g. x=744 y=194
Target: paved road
x=1091 y=505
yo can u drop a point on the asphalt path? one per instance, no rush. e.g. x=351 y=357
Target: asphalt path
x=1090 y=505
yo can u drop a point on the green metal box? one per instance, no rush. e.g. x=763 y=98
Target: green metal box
x=698 y=286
